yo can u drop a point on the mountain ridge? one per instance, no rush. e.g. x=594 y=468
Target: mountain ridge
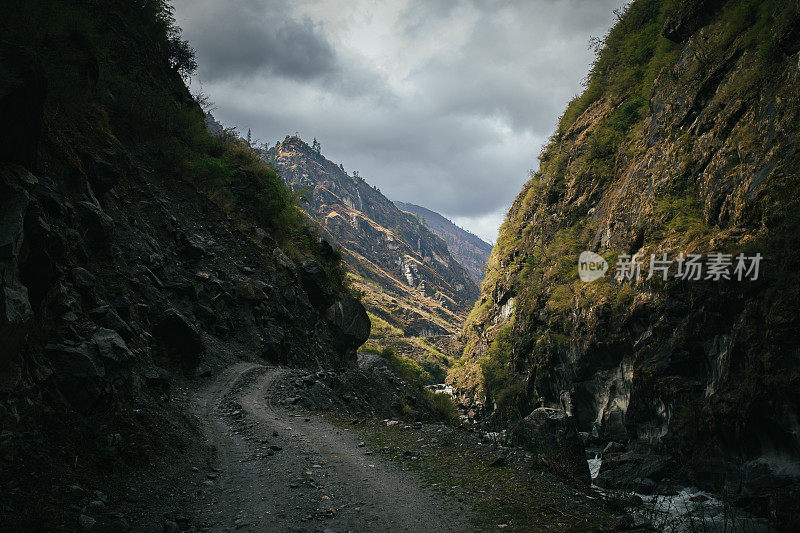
x=409 y=280
x=331 y=188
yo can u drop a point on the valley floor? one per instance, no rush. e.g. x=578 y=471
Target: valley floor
x=269 y=465
x=272 y=453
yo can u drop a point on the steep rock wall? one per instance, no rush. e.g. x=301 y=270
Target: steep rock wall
x=137 y=254
x=685 y=141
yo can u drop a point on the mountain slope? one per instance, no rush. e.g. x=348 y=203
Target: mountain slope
x=367 y=224
x=468 y=249
x=138 y=256
x=410 y=281
x=684 y=142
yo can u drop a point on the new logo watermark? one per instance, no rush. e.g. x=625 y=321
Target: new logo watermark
x=690 y=267
x=591 y=266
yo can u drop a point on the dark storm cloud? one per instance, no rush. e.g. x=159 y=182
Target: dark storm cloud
x=247 y=38
x=441 y=103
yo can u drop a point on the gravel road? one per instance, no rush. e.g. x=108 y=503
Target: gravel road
x=280 y=471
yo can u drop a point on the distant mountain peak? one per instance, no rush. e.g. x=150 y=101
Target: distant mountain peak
x=468 y=249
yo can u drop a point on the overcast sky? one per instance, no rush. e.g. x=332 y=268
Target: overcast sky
x=445 y=104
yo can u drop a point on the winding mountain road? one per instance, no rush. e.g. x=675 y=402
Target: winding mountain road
x=280 y=471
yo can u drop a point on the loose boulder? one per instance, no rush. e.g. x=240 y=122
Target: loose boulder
x=108 y=318
x=552 y=433
x=111 y=346
x=350 y=322
x=156 y=376
x=283 y=260
x=83 y=280
x=637 y=469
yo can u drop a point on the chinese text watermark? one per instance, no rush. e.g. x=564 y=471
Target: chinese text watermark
x=690 y=267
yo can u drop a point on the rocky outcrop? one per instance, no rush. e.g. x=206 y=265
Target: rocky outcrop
x=552 y=433
x=350 y=319
x=83 y=281
x=638 y=468
x=696 y=379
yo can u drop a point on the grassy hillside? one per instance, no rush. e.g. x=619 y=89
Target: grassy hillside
x=415 y=290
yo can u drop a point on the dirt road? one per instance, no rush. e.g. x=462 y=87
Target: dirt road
x=280 y=471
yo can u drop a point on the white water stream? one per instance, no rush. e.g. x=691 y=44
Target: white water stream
x=690 y=510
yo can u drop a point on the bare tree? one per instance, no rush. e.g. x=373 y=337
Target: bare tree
x=204 y=100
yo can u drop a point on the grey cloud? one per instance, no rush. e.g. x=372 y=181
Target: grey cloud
x=460 y=130
x=247 y=38
x=445 y=162
x=517 y=63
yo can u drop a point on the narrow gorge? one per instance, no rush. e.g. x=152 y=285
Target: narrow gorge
x=200 y=331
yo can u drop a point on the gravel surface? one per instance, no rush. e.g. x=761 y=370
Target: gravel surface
x=276 y=470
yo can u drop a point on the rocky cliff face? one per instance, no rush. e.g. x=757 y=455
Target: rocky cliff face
x=685 y=142
x=468 y=249
x=136 y=252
